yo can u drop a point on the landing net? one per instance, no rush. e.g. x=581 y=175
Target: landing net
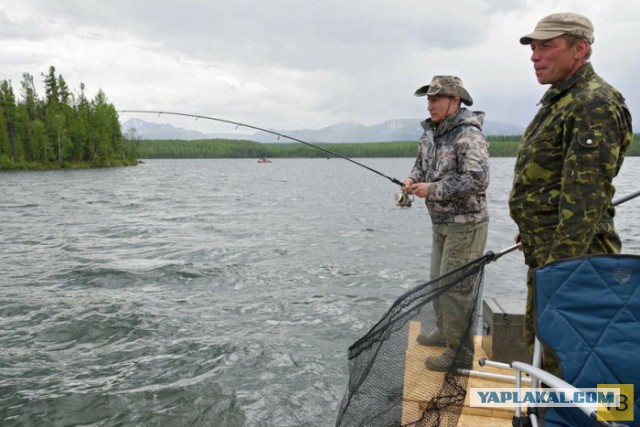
x=389 y=382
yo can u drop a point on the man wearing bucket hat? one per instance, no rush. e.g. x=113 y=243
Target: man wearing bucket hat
x=562 y=192
x=451 y=173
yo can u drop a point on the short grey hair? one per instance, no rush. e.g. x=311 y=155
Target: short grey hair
x=573 y=40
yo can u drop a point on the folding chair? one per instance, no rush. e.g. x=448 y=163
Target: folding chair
x=588 y=312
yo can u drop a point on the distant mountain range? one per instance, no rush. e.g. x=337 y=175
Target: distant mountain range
x=390 y=130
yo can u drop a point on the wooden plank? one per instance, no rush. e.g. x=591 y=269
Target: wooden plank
x=483 y=421
x=418 y=391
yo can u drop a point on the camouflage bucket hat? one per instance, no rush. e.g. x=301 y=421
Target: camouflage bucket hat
x=446 y=86
x=558 y=24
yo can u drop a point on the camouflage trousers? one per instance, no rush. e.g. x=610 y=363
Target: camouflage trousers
x=535 y=256
x=454 y=245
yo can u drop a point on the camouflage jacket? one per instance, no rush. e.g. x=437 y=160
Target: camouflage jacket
x=454 y=158
x=562 y=186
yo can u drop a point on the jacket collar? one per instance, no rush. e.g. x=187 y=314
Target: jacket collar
x=561 y=88
x=448 y=123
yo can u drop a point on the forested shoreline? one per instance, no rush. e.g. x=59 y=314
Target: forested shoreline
x=62 y=129
x=65 y=129
x=500 y=146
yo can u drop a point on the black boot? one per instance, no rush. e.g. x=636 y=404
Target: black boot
x=433 y=339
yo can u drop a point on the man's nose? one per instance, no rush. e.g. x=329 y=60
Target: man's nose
x=534 y=56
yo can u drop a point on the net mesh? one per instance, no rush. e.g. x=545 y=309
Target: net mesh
x=389 y=382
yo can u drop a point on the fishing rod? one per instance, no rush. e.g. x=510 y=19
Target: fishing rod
x=278 y=134
x=495 y=256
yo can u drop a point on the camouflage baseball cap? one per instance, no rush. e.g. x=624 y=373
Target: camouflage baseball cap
x=446 y=86
x=558 y=24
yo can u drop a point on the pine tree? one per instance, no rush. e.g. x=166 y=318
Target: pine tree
x=4 y=136
x=81 y=131
x=9 y=111
x=40 y=140
x=51 y=87
x=29 y=96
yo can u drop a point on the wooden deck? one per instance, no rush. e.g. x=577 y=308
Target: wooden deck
x=417 y=392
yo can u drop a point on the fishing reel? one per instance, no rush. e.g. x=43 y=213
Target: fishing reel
x=403 y=199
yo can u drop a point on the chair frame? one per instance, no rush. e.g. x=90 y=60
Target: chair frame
x=537 y=377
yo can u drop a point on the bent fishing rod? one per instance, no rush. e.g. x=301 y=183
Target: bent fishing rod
x=278 y=134
x=494 y=256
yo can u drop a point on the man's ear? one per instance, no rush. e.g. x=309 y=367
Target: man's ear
x=582 y=47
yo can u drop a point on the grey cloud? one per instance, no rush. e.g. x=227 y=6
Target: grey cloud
x=331 y=33
x=32 y=29
x=503 y=6
x=293 y=60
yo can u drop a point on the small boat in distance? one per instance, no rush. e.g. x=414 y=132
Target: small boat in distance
x=263 y=160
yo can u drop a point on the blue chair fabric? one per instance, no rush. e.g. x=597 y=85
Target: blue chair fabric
x=588 y=313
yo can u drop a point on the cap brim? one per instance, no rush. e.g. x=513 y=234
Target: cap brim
x=422 y=91
x=540 y=35
x=464 y=97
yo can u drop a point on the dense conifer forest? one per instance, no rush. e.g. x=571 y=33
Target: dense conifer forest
x=499 y=146
x=62 y=129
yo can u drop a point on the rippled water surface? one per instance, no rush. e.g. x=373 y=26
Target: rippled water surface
x=211 y=292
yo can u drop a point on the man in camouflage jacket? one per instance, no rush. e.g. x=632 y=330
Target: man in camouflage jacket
x=562 y=192
x=451 y=172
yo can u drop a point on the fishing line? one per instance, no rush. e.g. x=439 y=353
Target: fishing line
x=278 y=134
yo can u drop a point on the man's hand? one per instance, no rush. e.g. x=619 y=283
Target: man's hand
x=407 y=185
x=421 y=189
x=518 y=239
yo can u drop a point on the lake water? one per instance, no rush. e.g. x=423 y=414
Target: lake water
x=212 y=292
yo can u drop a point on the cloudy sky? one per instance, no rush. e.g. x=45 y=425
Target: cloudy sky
x=294 y=64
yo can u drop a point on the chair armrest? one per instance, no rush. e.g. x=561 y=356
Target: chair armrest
x=555 y=383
